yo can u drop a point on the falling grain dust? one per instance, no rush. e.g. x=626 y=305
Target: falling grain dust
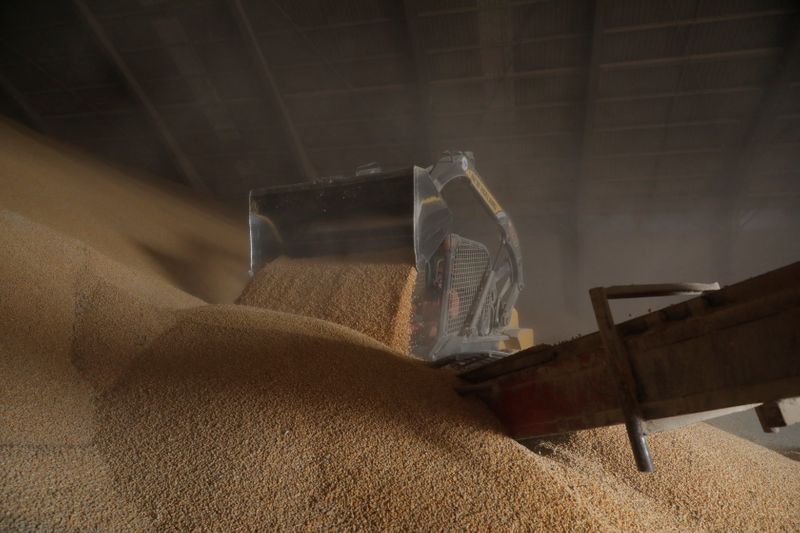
x=127 y=404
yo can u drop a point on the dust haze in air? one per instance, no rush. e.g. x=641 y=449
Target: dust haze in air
x=631 y=243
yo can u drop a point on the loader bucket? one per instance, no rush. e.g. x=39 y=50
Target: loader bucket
x=391 y=211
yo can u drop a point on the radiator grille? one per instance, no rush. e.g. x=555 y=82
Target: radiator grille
x=469 y=265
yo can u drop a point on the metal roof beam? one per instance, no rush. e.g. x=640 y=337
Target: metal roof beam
x=541 y=73
x=365 y=146
x=302 y=160
x=514 y=74
x=391 y=87
x=440 y=114
x=545 y=105
x=659 y=125
x=183 y=163
x=488 y=6
x=628 y=98
x=657 y=153
x=507 y=43
x=163 y=8
x=751 y=53
x=394 y=145
x=700 y=20
x=699 y=92
x=555 y=72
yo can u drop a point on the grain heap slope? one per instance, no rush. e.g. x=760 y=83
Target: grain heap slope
x=150 y=225
x=71 y=321
x=702 y=473
x=128 y=404
x=133 y=406
x=370 y=293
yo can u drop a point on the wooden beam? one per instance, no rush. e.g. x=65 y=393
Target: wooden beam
x=304 y=165
x=182 y=162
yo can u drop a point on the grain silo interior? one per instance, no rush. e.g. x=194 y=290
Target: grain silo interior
x=372 y=265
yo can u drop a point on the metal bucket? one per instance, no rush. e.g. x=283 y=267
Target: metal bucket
x=342 y=217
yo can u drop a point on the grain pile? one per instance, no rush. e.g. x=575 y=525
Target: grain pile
x=142 y=409
x=128 y=404
x=370 y=293
x=702 y=473
x=148 y=224
x=71 y=321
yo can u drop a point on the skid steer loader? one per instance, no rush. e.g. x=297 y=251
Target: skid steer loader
x=464 y=299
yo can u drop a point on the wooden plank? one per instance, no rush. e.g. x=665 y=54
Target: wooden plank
x=736 y=346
